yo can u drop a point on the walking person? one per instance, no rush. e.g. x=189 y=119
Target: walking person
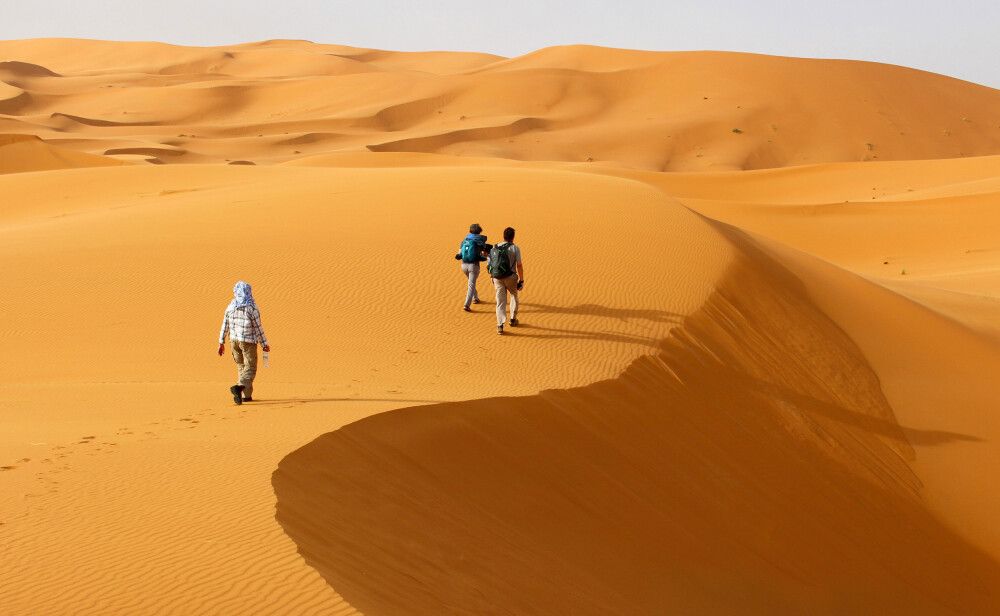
x=470 y=253
x=242 y=323
x=507 y=271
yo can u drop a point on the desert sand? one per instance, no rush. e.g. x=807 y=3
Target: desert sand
x=754 y=375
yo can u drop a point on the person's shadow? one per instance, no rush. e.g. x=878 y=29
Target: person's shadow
x=529 y=330
x=295 y=401
x=596 y=310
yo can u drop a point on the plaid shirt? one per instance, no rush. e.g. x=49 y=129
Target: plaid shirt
x=243 y=324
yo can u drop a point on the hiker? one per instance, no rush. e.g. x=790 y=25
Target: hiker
x=507 y=271
x=242 y=323
x=471 y=253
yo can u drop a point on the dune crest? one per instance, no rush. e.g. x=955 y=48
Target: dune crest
x=12 y=69
x=752 y=465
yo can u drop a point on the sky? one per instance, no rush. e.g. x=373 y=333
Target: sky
x=957 y=38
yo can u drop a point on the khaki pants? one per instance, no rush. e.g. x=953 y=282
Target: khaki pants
x=245 y=354
x=505 y=286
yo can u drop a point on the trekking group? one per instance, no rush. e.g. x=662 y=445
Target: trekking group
x=241 y=320
x=503 y=262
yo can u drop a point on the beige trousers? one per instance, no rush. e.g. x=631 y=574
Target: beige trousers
x=504 y=287
x=245 y=354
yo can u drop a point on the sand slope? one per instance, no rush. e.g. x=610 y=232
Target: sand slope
x=927 y=229
x=726 y=395
x=143 y=380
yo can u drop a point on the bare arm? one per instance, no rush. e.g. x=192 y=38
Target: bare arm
x=519 y=267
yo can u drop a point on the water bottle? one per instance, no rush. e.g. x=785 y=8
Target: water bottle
x=267 y=359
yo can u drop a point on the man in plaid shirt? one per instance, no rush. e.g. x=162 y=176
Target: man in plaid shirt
x=242 y=323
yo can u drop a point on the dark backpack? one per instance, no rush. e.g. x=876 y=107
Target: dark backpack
x=500 y=261
x=469 y=251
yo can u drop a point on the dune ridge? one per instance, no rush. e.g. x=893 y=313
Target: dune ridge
x=751 y=465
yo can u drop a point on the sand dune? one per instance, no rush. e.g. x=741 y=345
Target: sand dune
x=658 y=111
x=754 y=373
x=159 y=238
x=20 y=153
x=925 y=229
x=748 y=467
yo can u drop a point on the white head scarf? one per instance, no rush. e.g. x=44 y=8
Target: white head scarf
x=242 y=296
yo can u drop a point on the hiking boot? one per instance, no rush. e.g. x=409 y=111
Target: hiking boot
x=248 y=399
x=499 y=330
x=237 y=391
x=476 y=301
x=514 y=322
x=467 y=309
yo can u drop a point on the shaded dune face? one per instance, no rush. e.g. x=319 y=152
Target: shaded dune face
x=19 y=153
x=752 y=465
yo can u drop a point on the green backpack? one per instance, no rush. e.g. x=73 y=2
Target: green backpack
x=500 y=265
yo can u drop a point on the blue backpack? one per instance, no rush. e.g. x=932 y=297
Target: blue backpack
x=470 y=249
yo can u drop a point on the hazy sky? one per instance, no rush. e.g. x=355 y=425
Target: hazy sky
x=958 y=37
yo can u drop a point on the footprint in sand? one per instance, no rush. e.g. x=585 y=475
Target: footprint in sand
x=7 y=468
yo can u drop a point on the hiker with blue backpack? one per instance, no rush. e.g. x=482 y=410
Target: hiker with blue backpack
x=507 y=271
x=471 y=252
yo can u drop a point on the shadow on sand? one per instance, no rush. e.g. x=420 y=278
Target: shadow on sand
x=301 y=400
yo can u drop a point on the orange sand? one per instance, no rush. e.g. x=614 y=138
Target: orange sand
x=754 y=373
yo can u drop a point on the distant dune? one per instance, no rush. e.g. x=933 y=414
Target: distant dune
x=754 y=372
x=20 y=153
x=280 y=100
